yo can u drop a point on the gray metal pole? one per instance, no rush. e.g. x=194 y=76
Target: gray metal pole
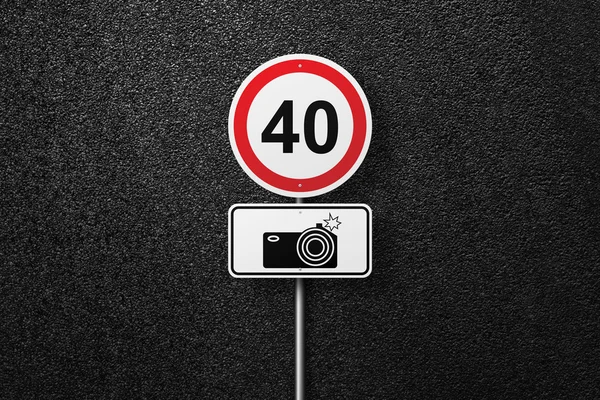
x=299 y=339
x=299 y=334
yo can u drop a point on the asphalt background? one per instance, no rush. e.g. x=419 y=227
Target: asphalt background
x=117 y=174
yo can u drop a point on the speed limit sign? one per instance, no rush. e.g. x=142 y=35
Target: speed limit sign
x=300 y=125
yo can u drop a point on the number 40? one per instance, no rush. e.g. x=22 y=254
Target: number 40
x=288 y=137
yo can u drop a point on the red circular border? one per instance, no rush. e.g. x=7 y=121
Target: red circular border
x=281 y=182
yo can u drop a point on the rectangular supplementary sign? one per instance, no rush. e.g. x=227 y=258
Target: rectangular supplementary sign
x=300 y=240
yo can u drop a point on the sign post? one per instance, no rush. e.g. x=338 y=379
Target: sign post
x=300 y=126
x=299 y=334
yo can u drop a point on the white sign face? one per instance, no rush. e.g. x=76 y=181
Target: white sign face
x=300 y=240
x=300 y=125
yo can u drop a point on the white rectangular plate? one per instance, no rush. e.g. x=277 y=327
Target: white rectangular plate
x=300 y=240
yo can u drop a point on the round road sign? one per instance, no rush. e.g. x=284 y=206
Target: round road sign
x=300 y=125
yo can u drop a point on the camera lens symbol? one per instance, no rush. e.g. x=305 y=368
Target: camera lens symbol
x=315 y=247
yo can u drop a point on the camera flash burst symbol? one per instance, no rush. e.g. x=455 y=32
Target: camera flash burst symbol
x=332 y=223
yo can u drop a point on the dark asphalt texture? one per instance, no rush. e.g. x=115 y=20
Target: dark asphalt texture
x=117 y=173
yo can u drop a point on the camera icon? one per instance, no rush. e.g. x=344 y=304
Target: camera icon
x=314 y=247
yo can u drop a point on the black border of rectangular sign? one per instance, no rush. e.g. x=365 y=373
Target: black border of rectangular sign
x=296 y=273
